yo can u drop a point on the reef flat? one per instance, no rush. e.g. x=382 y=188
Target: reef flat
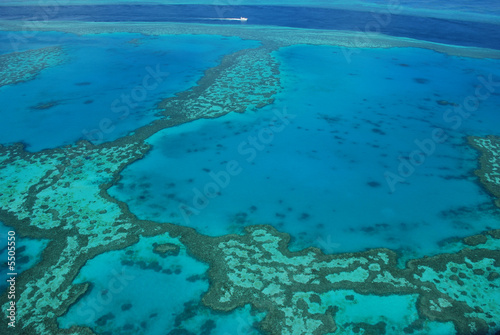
x=58 y=195
x=258 y=269
x=61 y=195
x=245 y=80
x=25 y=65
x=351 y=41
x=489 y=172
x=255 y=268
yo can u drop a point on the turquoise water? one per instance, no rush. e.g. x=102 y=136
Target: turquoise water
x=397 y=311
x=103 y=94
x=135 y=291
x=350 y=156
x=27 y=253
x=322 y=178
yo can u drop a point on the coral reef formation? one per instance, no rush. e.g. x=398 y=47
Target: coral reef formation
x=22 y=66
x=60 y=195
x=489 y=172
x=258 y=269
x=245 y=80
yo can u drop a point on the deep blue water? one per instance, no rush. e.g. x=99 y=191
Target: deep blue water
x=456 y=32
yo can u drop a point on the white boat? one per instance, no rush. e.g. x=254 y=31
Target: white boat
x=242 y=19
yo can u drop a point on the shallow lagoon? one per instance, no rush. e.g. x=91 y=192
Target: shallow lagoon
x=27 y=253
x=323 y=177
x=137 y=291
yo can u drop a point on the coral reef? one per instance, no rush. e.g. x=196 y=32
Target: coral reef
x=258 y=269
x=60 y=195
x=244 y=80
x=22 y=66
x=350 y=41
x=489 y=171
x=167 y=249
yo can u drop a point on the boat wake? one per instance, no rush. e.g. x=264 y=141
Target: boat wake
x=242 y=19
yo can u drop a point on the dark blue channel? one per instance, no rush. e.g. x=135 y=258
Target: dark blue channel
x=464 y=33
